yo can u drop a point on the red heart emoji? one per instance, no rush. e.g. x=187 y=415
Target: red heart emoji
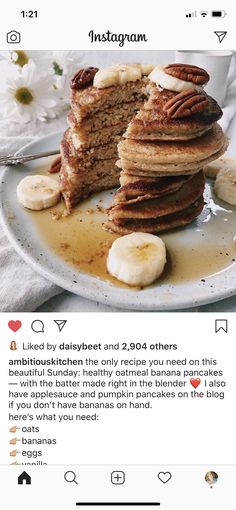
x=14 y=325
x=195 y=382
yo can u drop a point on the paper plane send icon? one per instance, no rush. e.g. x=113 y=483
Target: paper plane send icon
x=60 y=324
x=220 y=35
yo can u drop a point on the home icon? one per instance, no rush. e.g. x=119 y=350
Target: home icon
x=24 y=478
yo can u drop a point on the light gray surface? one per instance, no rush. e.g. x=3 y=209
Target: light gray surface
x=68 y=302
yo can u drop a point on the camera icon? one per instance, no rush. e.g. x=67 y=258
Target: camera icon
x=13 y=37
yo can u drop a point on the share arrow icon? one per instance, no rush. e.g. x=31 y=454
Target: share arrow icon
x=220 y=35
x=60 y=324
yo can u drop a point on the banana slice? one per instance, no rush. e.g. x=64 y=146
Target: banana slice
x=128 y=73
x=106 y=78
x=225 y=185
x=168 y=82
x=117 y=75
x=120 y=74
x=147 y=68
x=212 y=169
x=137 y=259
x=38 y=192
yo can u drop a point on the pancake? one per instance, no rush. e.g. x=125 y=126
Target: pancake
x=153 y=226
x=172 y=170
x=128 y=179
x=84 y=158
x=127 y=129
x=97 y=121
x=152 y=122
x=85 y=172
x=90 y=100
x=165 y=205
x=169 y=157
x=105 y=118
x=145 y=189
x=86 y=140
x=76 y=186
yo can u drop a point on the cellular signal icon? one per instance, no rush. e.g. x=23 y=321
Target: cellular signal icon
x=204 y=14
x=191 y=14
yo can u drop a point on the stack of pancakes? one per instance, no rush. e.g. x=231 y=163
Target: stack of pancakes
x=166 y=146
x=102 y=104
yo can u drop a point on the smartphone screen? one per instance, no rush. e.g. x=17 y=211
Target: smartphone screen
x=117 y=255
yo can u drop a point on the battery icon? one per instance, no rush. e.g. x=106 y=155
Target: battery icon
x=218 y=14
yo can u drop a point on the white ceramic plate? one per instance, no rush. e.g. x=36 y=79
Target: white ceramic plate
x=212 y=233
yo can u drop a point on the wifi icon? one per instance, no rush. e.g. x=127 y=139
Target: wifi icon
x=204 y=13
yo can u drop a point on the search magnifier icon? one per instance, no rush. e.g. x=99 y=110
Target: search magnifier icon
x=70 y=477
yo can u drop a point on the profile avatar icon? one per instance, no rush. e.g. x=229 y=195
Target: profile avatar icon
x=13 y=345
x=211 y=477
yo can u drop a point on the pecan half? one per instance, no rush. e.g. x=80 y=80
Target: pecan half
x=55 y=166
x=185 y=104
x=83 y=78
x=188 y=72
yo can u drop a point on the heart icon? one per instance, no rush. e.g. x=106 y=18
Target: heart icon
x=164 y=477
x=14 y=325
x=195 y=382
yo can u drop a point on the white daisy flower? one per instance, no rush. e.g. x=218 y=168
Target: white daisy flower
x=22 y=57
x=65 y=64
x=29 y=95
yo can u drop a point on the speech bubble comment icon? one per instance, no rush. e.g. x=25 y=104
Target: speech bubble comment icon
x=37 y=326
